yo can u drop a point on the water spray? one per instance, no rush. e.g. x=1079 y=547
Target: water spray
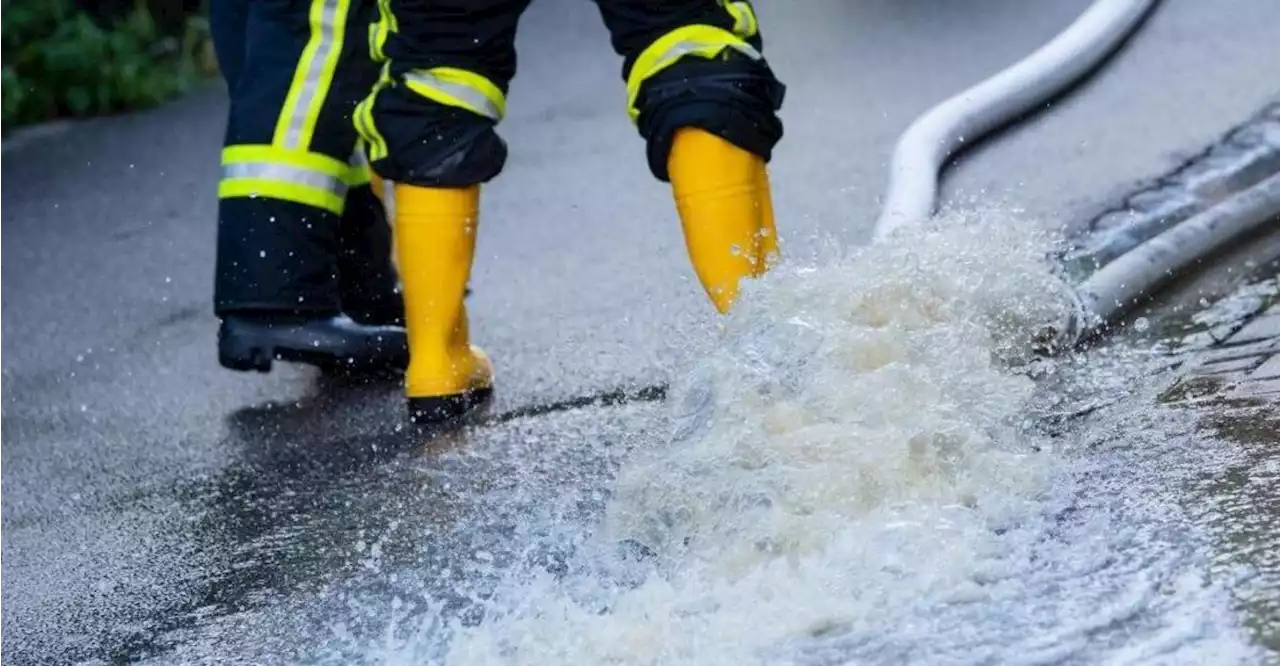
x=961 y=121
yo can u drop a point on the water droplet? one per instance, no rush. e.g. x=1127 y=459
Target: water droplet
x=262 y=253
x=1141 y=324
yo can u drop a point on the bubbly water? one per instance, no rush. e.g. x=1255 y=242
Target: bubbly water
x=870 y=467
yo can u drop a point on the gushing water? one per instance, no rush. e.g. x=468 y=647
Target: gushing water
x=867 y=466
x=864 y=470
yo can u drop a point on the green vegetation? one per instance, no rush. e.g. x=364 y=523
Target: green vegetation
x=59 y=61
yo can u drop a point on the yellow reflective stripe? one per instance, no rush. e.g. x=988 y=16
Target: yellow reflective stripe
x=311 y=179
x=358 y=176
x=358 y=173
x=232 y=188
x=296 y=158
x=705 y=41
x=460 y=88
x=744 y=18
x=380 y=29
x=376 y=144
x=363 y=117
x=313 y=74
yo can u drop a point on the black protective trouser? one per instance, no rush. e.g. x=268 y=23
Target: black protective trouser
x=299 y=228
x=687 y=63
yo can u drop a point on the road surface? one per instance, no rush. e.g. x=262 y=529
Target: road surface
x=155 y=504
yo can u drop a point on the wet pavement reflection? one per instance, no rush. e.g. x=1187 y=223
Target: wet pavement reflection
x=330 y=506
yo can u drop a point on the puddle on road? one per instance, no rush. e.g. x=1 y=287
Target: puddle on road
x=1234 y=497
x=1238 y=503
x=870 y=468
x=321 y=541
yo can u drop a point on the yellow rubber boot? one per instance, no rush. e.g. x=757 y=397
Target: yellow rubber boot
x=722 y=199
x=435 y=233
x=769 y=251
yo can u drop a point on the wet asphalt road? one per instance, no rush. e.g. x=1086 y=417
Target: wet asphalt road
x=134 y=467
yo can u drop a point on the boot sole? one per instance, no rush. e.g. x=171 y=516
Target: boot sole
x=437 y=410
x=235 y=353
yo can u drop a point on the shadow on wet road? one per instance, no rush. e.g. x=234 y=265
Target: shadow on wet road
x=328 y=494
x=279 y=519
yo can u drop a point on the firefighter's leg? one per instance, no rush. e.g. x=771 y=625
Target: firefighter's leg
x=286 y=171
x=429 y=125
x=705 y=101
x=367 y=276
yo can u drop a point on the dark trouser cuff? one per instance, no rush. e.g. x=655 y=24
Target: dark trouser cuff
x=275 y=255
x=434 y=145
x=736 y=99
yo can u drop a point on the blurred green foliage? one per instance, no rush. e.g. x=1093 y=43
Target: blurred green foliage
x=58 y=61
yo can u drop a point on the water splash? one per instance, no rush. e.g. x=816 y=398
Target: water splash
x=867 y=467
x=860 y=472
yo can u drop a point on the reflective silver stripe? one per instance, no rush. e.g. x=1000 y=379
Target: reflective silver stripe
x=311 y=83
x=284 y=173
x=476 y=99
x=358 y=159
x=682 y=49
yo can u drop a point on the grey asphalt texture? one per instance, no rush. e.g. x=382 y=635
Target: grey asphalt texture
x=134 y=467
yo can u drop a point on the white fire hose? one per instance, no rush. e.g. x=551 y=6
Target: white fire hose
x=961 y=121
x=924 y=149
